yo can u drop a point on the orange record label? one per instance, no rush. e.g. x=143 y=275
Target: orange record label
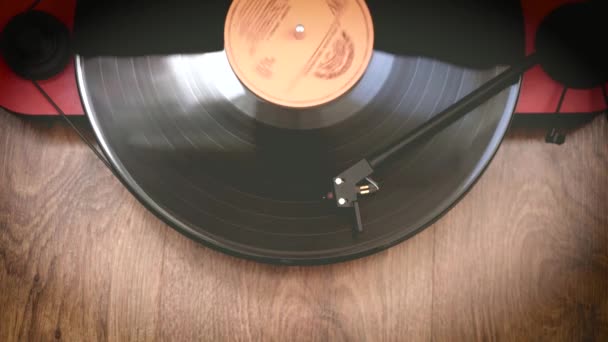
x=299 y=53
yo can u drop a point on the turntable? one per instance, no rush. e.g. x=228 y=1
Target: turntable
x=301 y=132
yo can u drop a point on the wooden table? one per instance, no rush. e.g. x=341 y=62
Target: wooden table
x=523 y=257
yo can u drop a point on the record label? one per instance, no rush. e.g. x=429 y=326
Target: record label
x=299 y=53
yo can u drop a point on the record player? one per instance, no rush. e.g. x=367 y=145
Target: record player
x=540 y=94
x=301 y=132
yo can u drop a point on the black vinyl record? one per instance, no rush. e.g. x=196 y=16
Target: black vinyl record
x=247 y=177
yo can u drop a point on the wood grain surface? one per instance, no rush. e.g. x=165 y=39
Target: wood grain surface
x=524 y=257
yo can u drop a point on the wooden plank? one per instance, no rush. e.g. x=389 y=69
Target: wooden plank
x=78 y=256
x=525 y=256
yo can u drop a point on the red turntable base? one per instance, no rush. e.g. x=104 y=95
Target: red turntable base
x=20 y=96
x=539 y=93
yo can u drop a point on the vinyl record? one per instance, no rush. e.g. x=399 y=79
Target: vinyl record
x=245 y=176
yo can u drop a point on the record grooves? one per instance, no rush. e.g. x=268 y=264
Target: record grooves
x=184 y=146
